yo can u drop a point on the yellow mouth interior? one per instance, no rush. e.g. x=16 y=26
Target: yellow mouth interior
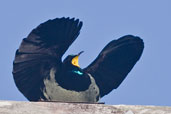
x=75 y=61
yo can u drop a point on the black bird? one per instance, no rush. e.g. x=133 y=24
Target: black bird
x=40 y=74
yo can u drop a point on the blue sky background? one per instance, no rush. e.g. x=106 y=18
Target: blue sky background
x=149 y=82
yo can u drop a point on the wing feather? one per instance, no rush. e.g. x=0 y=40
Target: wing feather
x=40 y=51
x=114 y=62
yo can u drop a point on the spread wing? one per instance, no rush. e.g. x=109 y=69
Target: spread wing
x=40 y=51
x=115 y=62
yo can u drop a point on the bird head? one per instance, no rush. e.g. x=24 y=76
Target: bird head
x=73 y=59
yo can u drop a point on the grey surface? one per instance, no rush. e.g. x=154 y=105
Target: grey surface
x=15 y=107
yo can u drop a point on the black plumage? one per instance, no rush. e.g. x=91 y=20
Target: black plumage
x=40 y=74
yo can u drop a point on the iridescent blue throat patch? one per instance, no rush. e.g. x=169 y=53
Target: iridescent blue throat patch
x=78 y=72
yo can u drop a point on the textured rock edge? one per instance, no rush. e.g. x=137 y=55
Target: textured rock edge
x=21 y=107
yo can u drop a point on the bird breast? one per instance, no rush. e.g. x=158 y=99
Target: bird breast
x=54 y=92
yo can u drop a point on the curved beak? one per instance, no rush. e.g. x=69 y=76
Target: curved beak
x=75 y=59
x=80 y=53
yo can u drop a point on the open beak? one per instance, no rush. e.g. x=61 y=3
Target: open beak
x=75 y=59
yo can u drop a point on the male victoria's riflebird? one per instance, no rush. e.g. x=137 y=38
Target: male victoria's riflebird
x=40 y=74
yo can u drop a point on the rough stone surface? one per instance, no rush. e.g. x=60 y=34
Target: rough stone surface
x=16 y=107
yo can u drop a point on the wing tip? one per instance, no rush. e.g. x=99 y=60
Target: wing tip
x=131 y=38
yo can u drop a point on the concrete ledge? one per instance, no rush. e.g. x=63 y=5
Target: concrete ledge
x=16 y=107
